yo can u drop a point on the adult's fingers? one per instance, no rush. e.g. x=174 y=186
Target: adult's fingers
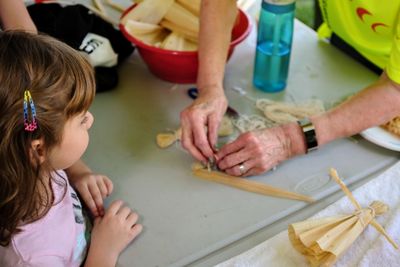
x=251 y=167
x=230 y=148
x=253 y=171
x=201 y=142
x=236 y=158
x=213 y=125
x=187 y=140
x=242 y=168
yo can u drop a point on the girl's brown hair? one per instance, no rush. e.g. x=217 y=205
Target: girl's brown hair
x=62 y=85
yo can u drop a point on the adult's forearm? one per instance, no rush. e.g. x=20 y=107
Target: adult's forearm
x=373 y=106
x=14 y=16
x=216 y=22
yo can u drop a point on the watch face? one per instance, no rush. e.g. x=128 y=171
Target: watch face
x=309 y=134
x=311 y=140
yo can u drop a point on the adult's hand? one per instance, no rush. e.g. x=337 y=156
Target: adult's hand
x=216 y=22
x=259 y=151
x=200 y=122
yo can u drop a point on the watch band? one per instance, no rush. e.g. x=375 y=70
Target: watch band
x=309 y=134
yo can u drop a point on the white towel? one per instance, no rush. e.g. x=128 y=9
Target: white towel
x=370 y=248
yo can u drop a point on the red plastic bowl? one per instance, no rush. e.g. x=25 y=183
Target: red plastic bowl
x=181 y=66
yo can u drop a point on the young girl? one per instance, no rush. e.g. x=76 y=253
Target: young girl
x=46 y=89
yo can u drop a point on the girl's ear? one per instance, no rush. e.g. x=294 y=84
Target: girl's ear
x=37 y=151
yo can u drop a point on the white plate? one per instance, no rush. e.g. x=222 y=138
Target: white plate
x=382 y=137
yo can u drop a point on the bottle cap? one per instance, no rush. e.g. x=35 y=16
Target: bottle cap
x=279 y=2
x=278 y=6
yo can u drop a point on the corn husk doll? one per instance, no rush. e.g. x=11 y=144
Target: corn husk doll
x=322 y=241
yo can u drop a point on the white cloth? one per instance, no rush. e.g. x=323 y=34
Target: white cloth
x=370 y=248
x=98 y=50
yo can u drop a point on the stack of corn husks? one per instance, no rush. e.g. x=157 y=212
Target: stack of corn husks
x=167 y=24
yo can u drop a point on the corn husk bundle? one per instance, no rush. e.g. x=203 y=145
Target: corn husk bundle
x=322 y=241
x=165 y=140
x=167 y=24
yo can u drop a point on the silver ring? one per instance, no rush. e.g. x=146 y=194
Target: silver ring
x=242 y=169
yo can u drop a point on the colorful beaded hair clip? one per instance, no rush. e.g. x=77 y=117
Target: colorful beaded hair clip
x=30 y=124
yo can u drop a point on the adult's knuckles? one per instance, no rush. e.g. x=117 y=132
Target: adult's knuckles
x=250 y=137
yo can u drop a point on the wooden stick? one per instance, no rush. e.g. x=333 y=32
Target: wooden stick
x=248 y=185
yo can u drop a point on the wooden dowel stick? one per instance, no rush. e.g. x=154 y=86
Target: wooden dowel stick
x=249 y=185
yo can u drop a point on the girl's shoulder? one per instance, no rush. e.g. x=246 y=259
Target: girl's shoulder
x=51 y=237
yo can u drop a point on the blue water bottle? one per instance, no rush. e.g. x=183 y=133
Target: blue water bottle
x=274 y=42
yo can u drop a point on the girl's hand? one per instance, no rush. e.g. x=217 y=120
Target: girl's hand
x=112 y=233
x=93 y=188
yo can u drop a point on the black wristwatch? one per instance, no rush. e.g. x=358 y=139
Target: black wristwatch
x=309 y=134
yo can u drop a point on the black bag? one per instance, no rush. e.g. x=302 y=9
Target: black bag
x=75 y=24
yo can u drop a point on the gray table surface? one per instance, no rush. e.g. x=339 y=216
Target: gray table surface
x=188 y=221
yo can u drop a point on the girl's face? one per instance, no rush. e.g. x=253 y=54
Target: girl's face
x=74 y=142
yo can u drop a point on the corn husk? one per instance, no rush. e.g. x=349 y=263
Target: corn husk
x=191 y=35
x=246 y=184
x=322 y=241
x=137 y=28
x=147 y=33
x=191 y=5
x=165 y=140
x=180 y=16
x=149 y=11
x=174 y=41
x=178 y=19
x=99 y=5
